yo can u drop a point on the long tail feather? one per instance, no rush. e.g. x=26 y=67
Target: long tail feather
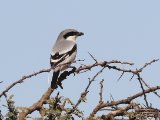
x=50 y=76
x=54 y=79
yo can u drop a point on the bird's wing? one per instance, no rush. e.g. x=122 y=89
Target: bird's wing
x=61 y=51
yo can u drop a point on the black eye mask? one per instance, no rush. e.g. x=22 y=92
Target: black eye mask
x=70 y=34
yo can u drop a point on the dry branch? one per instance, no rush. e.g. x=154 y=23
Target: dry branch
x=84 y=94
x=36 y=106
x=22 y=80
x=119 y=111
x=77 y=70
x=123 y=101
x=101 y=91
x=104 y=64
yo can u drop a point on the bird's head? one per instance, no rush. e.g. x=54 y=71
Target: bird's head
x=71 y=34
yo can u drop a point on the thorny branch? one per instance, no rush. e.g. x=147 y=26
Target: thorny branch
x=149 y=87
x=22 y=80
x=104 y=64
x=145 y=97
x=123 y=101
x=118 y=112
x=63 y=76
x=84 y=94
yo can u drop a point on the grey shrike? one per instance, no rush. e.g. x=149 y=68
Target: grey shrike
x=63 y=52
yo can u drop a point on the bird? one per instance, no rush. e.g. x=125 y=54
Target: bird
x=63 y=53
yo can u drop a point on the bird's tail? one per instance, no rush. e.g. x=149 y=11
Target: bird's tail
x=49 y=76
x=54 y=79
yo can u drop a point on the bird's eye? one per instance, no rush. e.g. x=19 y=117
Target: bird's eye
x=70 y=34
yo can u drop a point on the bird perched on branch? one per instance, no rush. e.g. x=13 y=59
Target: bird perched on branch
x=63 y=52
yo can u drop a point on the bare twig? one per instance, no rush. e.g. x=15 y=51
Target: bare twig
x=123 y=101
x=81 y=68
x=149 y=87
x=120 y=76
x=92 y=57
x=145 y=97
x=22 y=79
x=105 y=64
x=83 y=94
x=149 y=63
x=132 y=77
x=119 y=111
x=101 y=91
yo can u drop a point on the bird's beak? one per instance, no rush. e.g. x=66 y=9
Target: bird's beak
x=80 y=33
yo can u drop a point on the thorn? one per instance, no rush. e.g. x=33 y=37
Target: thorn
x=120 y=76
x=93 y=57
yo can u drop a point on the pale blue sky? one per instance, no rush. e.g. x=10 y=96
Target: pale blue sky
x=116 y=29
